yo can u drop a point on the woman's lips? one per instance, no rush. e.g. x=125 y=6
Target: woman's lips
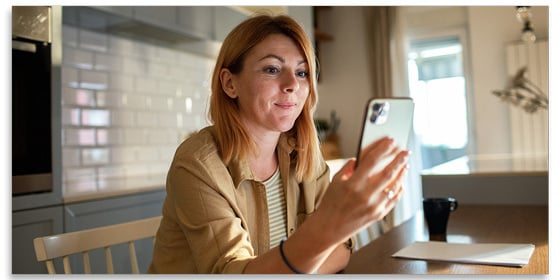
x=286 y=105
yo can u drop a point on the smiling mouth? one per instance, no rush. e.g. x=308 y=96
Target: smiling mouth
x=285 y=105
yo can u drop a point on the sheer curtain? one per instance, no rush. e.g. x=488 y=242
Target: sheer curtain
x=387 y=48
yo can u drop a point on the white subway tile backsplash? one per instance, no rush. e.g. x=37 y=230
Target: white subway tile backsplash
x=121 y=82
x=69 y=36
x=158 y=136
x=166 y=55
x=70 y=116
x=135 y=136
x=72 y=187
x=112 y=136
x=135 y=66
x=135 y=170
x=80 y=174
x=167 y=120
x=94 y=80
x=157 y=69
x=121 y=155
x=93 y=41
x=126 y=107
x=134 y=101
x=105 y=172
x=147 y=119
x=77 y=58
x=78 y=97
x=123 y=118
x=119 y=45
x=146 y=85
x=70 y=77
x=96 y=117
x=157 y=103
x=159 y=168
x=167 y=87
x=166 y=153
x=79 y=137
x=95 y=156
x=147 y=154
x=107 y=62
x=70 y=157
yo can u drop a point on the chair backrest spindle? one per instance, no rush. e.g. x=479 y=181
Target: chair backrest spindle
x=87 y=265
x=62 y=245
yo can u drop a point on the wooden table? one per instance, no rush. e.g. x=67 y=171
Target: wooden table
x=468 y=224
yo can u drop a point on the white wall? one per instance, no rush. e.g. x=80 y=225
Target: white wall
x=490 y=30
x=345 y=85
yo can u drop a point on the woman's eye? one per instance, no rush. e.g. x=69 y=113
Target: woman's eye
x=302 y=74
x=271 y=70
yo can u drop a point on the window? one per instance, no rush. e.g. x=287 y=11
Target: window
x=437 y=85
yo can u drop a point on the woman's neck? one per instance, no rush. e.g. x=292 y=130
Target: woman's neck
x=264 y=162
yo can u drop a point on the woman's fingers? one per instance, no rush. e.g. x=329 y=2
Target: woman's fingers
x=389 y=175
x=372 y=155
x=346 y=171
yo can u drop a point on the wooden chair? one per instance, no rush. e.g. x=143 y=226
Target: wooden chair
x=63 y=245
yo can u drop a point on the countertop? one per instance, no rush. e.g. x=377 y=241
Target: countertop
x=491 y=165
x=115 y=187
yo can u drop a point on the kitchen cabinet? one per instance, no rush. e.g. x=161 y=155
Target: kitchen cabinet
x=27 y=225
x=117 y=10
x=161 y=16
x=103 y=212
x=225 y=20
x=198 y=20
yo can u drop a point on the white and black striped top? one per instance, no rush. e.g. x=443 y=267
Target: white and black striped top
x=276 y=208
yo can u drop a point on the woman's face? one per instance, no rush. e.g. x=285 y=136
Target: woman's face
x=273 y=85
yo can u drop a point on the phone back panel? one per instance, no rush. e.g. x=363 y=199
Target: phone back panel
x=394 y=119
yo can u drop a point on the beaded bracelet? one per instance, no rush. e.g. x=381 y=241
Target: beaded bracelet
x=292 y=268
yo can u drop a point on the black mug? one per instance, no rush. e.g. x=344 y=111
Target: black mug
x=436 y=213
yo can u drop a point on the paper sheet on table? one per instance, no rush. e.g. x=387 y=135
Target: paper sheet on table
x=483 y=253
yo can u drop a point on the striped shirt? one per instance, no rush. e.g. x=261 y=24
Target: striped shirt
x=276 y=208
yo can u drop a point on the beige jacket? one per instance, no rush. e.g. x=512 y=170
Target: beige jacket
x=215 y=216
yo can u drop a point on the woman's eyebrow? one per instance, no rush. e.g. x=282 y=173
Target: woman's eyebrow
x=279 y=58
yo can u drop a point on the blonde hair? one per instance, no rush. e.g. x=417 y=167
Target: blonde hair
x=232 y=138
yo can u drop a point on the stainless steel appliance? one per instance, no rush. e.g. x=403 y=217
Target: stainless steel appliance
x=31 y=100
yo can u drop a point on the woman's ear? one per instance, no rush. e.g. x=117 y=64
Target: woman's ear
x=226 y=79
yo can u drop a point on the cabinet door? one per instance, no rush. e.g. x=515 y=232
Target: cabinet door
x=225 y=20
x=27 y=225
x=85 y=215
x=197 y=20
x=124 y=11
x=162 y=16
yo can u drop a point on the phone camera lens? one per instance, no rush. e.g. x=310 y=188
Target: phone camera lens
x=376 y=107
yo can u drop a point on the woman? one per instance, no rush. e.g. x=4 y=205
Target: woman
x=243 y=195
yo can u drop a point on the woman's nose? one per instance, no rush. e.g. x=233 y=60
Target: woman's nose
x=290 y=82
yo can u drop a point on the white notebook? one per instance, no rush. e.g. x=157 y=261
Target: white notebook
x=482 y=253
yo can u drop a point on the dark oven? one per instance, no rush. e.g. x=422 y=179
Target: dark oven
x=31 y=100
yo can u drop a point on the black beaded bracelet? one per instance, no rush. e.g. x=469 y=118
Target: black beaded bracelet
x=292 y=268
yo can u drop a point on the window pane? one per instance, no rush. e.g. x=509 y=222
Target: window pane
x=437 y=85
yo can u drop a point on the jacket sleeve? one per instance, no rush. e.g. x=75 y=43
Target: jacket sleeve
x=218 y=242
x=321 y=184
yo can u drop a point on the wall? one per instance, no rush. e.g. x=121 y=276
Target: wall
x=490 y=30
x=126 y=105
x=345 y=86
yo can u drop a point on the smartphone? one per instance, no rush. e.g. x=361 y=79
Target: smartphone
x=386 y=117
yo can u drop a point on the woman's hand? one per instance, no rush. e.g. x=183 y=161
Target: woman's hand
x=359 y=196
